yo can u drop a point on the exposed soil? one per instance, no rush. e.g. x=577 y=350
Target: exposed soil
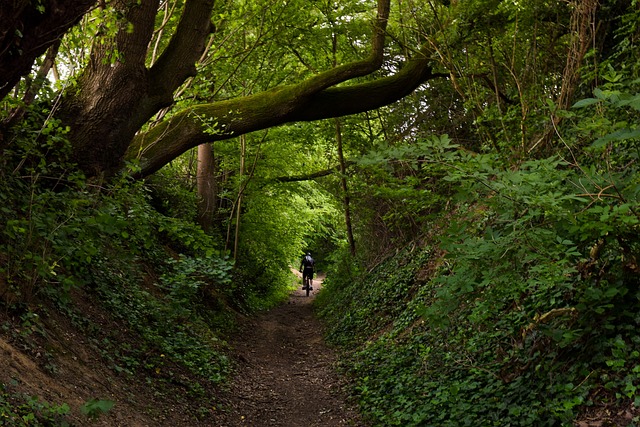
x=286 y=374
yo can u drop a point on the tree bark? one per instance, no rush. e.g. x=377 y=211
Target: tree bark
x=345 y=190
x=114 y=99
x=207 y=186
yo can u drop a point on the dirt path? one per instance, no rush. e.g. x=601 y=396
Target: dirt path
x=286 y=373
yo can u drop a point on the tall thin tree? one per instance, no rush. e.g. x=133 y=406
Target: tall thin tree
x=207 y=186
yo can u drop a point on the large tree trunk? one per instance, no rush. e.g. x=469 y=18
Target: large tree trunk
x=113 y=100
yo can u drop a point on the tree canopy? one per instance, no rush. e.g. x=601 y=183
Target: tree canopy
x=122 y=104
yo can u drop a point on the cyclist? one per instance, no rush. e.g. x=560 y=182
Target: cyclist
x=306 y=268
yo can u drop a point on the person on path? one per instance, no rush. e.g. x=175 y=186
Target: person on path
x=306 y=268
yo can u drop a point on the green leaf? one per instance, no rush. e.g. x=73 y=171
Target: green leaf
x=619 y=135
x=599 y=93
x=96 y=407
x=585 y=102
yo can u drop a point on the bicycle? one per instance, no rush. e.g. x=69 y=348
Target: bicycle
x=307 y=283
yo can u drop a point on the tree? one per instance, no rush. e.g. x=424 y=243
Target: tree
x=120 y=90
x=207 y=186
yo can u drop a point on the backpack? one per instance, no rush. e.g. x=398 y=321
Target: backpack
x=308 y=261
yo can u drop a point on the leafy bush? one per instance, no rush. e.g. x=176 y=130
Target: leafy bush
x=111 y=242
x=527 y=316
x=96 y=407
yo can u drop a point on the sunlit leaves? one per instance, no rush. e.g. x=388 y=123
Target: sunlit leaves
x=98 y=27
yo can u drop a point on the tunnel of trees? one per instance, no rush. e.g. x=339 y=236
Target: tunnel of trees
x=465 y=172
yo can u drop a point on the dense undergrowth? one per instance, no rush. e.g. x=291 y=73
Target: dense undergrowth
x=165 y=291
x=517 y=304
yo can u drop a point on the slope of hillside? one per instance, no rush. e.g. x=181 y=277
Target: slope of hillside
x=70 y=368
x=413 y=366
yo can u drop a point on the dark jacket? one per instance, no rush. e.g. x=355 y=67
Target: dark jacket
x=307 y=263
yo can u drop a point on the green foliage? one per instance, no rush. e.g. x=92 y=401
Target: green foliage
x=351 y=298
x=188 y=237
x=622 y=106
x=394 y=200
x=171 y=194
x=176 y=327
x=186 y=277
x=96 y=407
x=115 y=246
x=21 y=410
x=523 y=310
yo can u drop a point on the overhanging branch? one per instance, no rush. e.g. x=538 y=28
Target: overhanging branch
x=355 y=69
x=311 y=176
x=193 y=126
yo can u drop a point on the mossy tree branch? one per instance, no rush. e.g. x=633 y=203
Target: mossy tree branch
x=223 y=120
x=313 y=175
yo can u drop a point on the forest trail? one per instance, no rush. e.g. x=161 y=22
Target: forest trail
x=285 y=374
